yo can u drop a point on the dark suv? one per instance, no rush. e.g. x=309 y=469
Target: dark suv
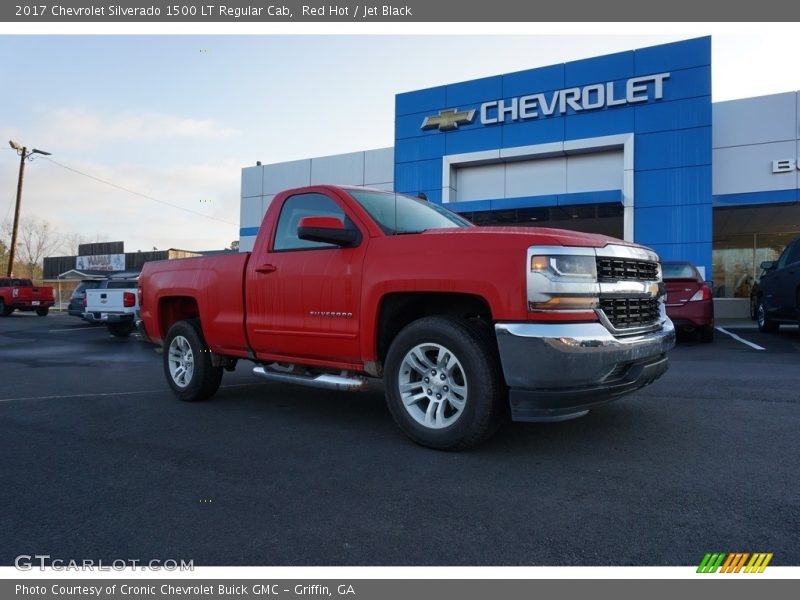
x=778 y=299
x=77 y=302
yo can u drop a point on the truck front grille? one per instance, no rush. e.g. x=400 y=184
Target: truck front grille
x=618 y=269
x=625 y=313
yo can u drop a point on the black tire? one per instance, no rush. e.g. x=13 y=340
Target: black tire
x=203 y=379
x=706 y=334
x=5 y=310
x=120 y=329
x=765 y=324
x=477 y=371
x=753 y=308
x=42 y=312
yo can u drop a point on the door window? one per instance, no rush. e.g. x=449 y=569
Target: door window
x=794 y=254
x=305 y=205
x=790 y=249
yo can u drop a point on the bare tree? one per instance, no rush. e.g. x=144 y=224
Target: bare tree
x=3 y=255
x=36 y=239
x=71 y=241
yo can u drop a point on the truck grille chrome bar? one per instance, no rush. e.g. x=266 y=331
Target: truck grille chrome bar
x=620 y=269
x=624 y=313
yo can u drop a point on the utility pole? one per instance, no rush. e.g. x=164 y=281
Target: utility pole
x=23 y=156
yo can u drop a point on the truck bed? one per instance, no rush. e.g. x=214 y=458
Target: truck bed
x=222 y=275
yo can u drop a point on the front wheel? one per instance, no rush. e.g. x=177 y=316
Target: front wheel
x=765 y=324
x=187 y=362
x=444 y=386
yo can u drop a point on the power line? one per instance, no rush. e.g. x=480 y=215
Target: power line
x=135 y=193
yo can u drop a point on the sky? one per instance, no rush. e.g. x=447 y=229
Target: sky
x=174 y=118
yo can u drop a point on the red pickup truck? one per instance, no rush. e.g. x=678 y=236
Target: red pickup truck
x=21 y=294
x=464 y=324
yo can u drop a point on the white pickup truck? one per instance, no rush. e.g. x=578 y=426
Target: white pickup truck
x=116 y=308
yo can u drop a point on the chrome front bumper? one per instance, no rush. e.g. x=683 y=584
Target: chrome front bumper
x=558 y=371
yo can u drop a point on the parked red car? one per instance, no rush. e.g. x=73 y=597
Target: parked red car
x=689 y=299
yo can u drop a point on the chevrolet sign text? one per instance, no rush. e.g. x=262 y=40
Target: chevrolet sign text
x=533 y=106
x=590 y=97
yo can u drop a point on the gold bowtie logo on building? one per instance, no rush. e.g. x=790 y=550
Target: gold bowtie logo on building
x=449 y=119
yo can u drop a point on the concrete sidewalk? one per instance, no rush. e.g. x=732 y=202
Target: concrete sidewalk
x=735 y=324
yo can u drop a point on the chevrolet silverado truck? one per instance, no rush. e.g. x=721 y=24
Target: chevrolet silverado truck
x=464 y=324
x=22 y=295
x=113 y=306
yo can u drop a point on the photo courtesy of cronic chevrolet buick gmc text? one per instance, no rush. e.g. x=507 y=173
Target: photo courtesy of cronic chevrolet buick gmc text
x=778 y=295
x=464 y=324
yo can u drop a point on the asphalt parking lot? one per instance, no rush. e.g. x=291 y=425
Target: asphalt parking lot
x=101 y=462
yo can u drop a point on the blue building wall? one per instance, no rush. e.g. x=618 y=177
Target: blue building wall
x=672 y=138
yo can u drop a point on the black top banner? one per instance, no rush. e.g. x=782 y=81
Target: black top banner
x=464 y=11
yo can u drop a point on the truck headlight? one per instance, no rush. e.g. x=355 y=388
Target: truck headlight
x=565 y=267
x=562 y=281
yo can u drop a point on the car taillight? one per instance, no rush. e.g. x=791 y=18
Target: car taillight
x=704 y=293
x=141 y=296
x=128 y=300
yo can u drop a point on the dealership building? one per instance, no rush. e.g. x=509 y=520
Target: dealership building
x=627 y=144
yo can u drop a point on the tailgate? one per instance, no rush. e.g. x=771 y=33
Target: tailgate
x=109 y=300
x=45 y=294
x=28 y=294
x=31 y=294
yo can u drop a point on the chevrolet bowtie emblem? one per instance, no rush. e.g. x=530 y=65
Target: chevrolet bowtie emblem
x=449 y=119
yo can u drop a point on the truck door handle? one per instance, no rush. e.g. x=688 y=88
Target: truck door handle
x=266 y=268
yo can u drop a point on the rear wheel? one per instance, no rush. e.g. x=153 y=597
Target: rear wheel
x=5 y=310
x=765 y=324
x=706 y=334
x=42 y=312
x=444 y=386
x=120 y=329
x=187 y=362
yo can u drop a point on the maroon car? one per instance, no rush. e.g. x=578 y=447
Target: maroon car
x=689 y=302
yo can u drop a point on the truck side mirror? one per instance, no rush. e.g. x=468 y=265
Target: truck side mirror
x=768 y=265
x=328 y=230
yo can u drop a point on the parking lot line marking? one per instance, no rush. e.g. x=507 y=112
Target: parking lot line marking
x=740 y=339
x=85 y=327
x=93 y=395
x=104 y=394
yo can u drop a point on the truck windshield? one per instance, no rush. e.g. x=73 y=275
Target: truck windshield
x=397 y=214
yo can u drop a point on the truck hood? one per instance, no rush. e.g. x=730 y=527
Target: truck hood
x=540 y=236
